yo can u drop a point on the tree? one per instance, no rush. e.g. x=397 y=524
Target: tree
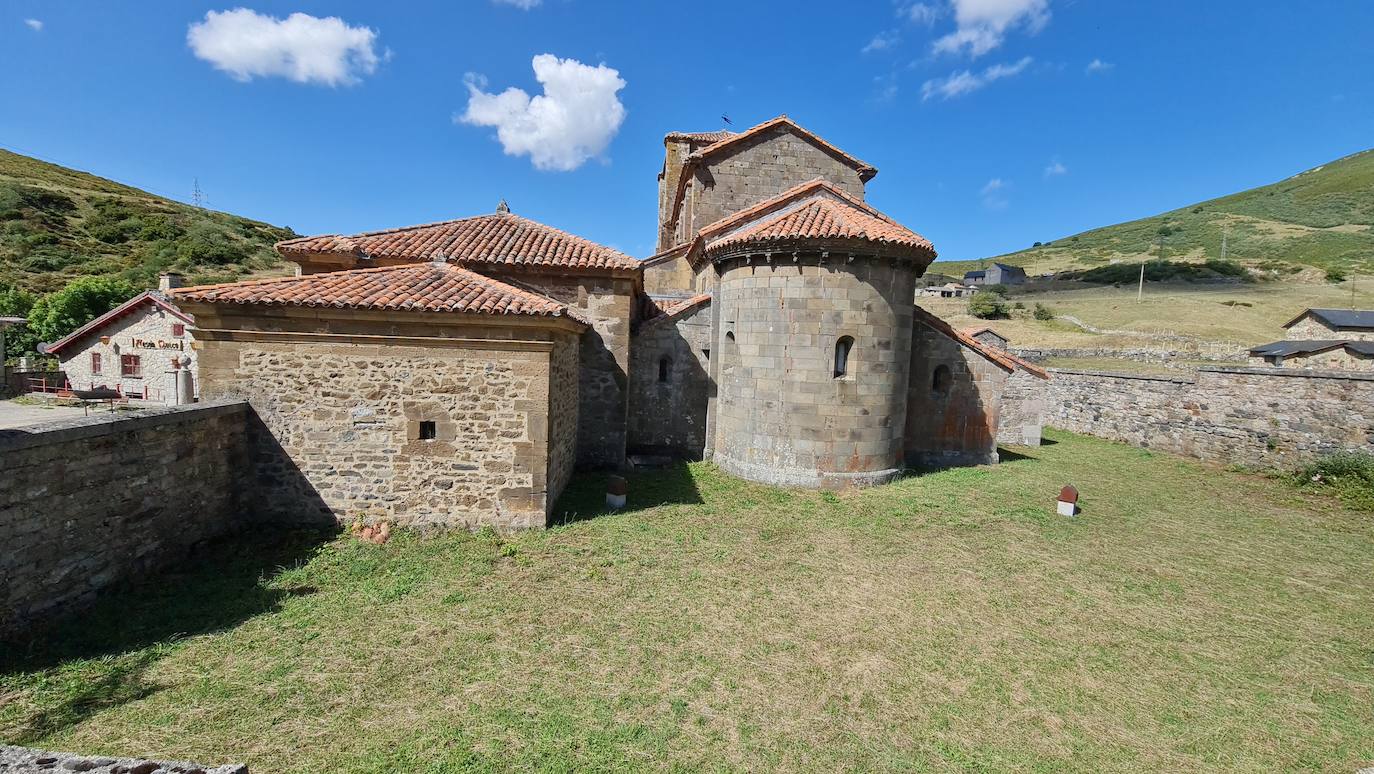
x=57 y=314
x=1043 y=312
x=987 y=305
x=16 y=302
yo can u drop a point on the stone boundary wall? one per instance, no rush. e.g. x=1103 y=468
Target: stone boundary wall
x=90 y=501
x=1165 y=357
x=1261 y=417
x=25 y=760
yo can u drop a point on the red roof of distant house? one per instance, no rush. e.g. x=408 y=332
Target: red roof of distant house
x=146 y=297
x=999 y=356
x=424 y=287
x=499 y=239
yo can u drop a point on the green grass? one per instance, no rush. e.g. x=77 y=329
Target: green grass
x=57 y=224
x=1190 y=619
x=1323 y=217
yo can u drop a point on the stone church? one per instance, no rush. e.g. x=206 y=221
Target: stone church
x=458 y=372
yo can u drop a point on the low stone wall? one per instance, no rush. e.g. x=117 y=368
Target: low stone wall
x=25 y=760
x=1164 y=357
x=1264 y=417
x=87 y=502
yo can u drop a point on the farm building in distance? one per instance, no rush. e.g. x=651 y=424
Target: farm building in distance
x=141 y=348
x=996 y=274
x=1323 y=338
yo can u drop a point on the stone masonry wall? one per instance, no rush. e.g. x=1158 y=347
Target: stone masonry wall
x=87 y=502
x=340 y=437
x=563 y=408
x=782 y=416
x=1311 y=328
x=1264 y=417
x=954 y=422
x=605 y=360
x=670 y=415
x=26 y=760
x=755 y=170
x=1021 y=418
x=1333 y=359
x=147 y=332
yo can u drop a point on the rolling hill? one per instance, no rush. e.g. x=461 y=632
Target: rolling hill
x=57 y=224
x=1321 y=218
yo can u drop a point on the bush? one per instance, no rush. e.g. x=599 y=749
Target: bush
x=57 y=314
x=205 y=244
x=1349 y=475
x=1335 y=275
x=999 y=289
x=987 y=305
x=1043 y=312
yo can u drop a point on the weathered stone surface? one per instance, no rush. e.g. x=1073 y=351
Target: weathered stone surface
x=953 y=404
x=87 y=502
x=1263 y=417
x=25 y=760
x=669 y=415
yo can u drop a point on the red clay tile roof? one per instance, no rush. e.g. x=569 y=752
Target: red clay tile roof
x=1001 y=357
x=500 y=239
x=814 y=210
x=423 y=287
x=866 y=171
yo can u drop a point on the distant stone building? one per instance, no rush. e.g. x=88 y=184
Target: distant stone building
x=947 y=290
x=1024 y=402
x=990 y=337
x=1322 y=339
x=138 y=348
x=996 y=274
x=457 y=372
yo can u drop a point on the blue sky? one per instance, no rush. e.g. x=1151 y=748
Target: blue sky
x=989 y=123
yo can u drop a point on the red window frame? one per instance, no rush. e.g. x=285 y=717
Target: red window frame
x=178 y=329
x=130 y=365
x=95 y=363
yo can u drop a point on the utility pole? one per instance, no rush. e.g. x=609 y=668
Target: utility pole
x=1223 y=242
x=1140 y=294
x=197 y=196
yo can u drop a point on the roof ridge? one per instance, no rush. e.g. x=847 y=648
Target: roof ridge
x=399 y=229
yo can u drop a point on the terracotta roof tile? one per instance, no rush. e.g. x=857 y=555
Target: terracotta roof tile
x=153 y=297
x=500 y=239
x=425 y=287
x=814 y=210
x=707 y=137
x=1001 y=357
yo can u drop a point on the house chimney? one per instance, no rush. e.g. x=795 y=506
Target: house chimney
x=502 y=207
x=168 y=280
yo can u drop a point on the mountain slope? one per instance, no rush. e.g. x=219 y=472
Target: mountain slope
x=1322 y=218
x=57 y=224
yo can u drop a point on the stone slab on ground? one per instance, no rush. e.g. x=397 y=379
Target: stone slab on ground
x=25 y=760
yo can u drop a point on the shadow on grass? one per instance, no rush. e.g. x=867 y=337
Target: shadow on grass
x=97 y=659
x=585 y=496
x=1005 y=455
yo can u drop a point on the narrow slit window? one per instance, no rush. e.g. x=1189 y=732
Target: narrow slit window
x=664 y=366
x=842 y=348
x=428 y=431
x=940 y=381
x=95 y=363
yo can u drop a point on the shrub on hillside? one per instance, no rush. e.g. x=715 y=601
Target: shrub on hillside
x=999 y=289
x=1043 y=312
x=57 y=314
x=987 y=305
x=1348 y=474
x=206 y=245
x=1335 y=275
x=1159 y=271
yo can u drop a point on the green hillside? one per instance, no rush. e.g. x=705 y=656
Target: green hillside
x=1320 y=218
x=57 y=224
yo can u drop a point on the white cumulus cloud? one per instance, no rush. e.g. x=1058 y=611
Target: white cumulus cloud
x=303 y=48
x=1055 y=169
x=572 y=121
x=523 y=5
x=921 y=13
x=1099 y=66
x=982 y=25
x=34 y=24
x=965 y=81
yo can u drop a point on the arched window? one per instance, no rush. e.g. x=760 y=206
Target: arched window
x=842 y=347
x=664 y=365
x=940 y=381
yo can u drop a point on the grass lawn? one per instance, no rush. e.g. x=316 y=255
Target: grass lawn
x=1190 y=619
